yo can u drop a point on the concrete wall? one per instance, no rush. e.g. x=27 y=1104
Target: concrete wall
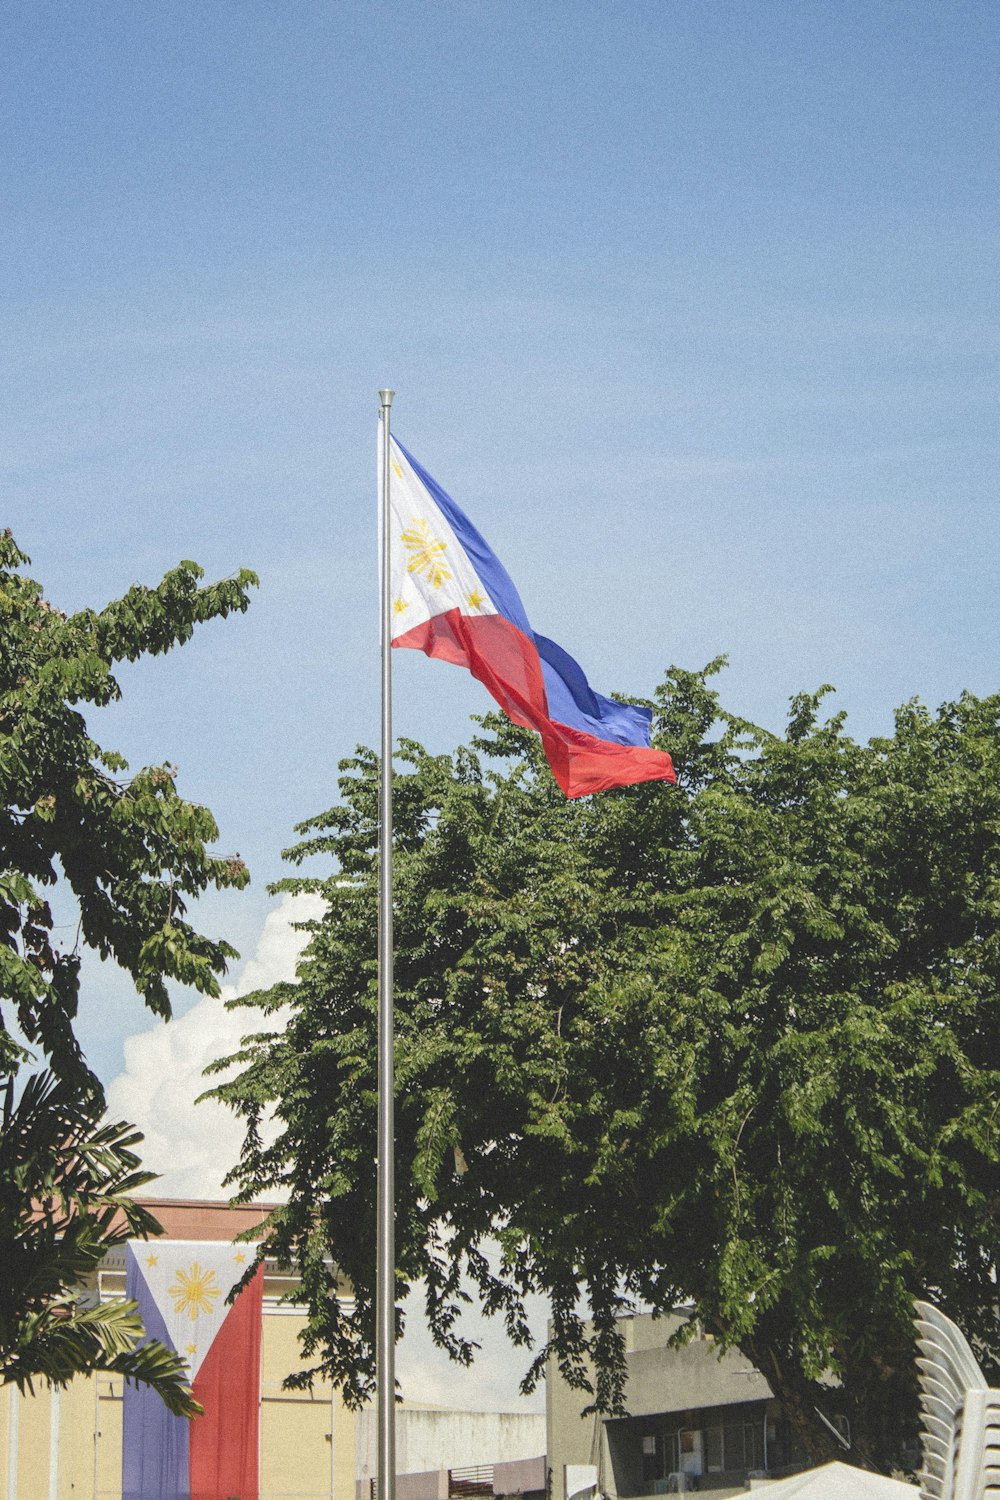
x=522 y=1476
x=662 y=1379
x=430 y=1439
x=432 y=1485
x=659 y=1380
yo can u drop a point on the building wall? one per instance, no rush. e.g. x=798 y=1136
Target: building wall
x=659 y=1380
x=662 y=1379
x=307 y=1438
x=67 y=1445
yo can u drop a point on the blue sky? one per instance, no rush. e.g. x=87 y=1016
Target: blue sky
x=692 y=307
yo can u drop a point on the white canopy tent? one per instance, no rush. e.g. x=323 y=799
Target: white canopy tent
x=835 y=1481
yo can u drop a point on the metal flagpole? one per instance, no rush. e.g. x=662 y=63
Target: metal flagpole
x=385 y=1277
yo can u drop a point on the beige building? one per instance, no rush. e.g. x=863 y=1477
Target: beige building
x=67 y=1445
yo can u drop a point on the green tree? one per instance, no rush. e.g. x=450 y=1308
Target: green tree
x=130 y=848
x=128 y=851
x=66 y=1185
x=732 y=1045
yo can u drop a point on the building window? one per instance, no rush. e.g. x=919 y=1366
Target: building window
x=734 y=1446
x=659 y=1457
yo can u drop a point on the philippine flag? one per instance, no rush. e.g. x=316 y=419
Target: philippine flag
x=453 y=599
x=181 y=1287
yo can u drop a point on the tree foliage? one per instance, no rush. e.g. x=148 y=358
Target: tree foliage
x=129 y=851
x=130 y=848
x=732 y=1045
x=66 y=1186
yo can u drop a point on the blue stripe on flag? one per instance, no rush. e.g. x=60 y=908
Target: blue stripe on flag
x=155 y=1464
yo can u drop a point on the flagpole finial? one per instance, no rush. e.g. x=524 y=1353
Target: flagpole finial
x=385 y=399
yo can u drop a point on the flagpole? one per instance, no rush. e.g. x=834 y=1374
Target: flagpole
x=385 y=1253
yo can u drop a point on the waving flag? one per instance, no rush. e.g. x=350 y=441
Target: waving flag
x=181 y=1287
x=452 y=598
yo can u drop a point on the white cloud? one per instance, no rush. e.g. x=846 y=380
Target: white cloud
x=191 y=1145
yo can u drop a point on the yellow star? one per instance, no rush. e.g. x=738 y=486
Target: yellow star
x=397 y=469
x=240 y=1257
x=151 y=1260
x=400 y=606
x=192 y=1348
x=476 y=599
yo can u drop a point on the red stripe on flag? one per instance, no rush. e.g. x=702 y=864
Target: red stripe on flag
x=495 y=652
x=503 y=659
x=581 y=763
x=224 y=1442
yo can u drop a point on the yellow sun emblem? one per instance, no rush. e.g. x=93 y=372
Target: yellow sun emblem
x=193 y=1291
x=425 y=554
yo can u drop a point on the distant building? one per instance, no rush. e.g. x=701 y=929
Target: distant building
x=697 y=1422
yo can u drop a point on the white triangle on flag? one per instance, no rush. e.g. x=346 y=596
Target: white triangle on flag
x=189 y=1281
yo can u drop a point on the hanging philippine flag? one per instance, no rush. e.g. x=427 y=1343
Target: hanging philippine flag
x=451 y=598
x=181 y=1287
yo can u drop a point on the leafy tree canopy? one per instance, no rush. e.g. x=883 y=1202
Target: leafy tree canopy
x=130 y=850
x=733 y=1044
